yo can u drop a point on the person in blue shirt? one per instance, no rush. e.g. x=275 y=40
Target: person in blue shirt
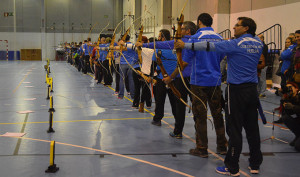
x=127 y=57
x=243 y=55
x=169 y=63
x=188 y=28
x=87 y=49
x=205 y=84
x=77 y=55
x=107 y=69
x=286 y=57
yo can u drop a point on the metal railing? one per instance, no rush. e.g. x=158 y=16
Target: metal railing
x=273 y=39
x=272 y=52
x=226 y=34
x=273 y=35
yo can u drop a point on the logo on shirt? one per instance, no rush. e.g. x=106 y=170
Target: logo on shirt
x=251 y=48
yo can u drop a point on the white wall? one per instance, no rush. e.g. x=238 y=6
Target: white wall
x=34 y=41
x=286 y=15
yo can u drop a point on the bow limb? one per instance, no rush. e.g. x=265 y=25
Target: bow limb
x=139 y=49
x=180 y=65
x=171 y=84
x=91 y=52
x=99 y=38
x=98 y=53
x=110 y=54
x=164 y=72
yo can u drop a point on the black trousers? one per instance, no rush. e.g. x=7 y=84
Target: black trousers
x=241 y=111
x=77 y=61
x=180 y=107
x=99 y=72
x=107 y=73
x=117 y=77
x=292 y=123
x=139 y=84
x=86 y=64
x=160 y=98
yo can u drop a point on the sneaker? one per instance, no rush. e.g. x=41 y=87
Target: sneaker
x=253 y=171
x=178 y=136
x=224 y=171
x=199 y=152
x=157 y=123
x=222 y=150
x=116 y=93
x=120 y=98
x=128 y=93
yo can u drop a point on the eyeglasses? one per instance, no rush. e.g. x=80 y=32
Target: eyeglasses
x=237 y=25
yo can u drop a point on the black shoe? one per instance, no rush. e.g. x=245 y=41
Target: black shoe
x=157 y=123
x=279 y=121
x=222 y=150
x=292 y=143
x=199 y=152
x=135 y=106
x=178 y=136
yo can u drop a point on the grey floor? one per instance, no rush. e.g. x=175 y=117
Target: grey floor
x=97 y=134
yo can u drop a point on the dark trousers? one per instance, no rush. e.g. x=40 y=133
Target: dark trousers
x=140 y=83
x=241 y=111
x=99 y=72
x=180 y=107
x=86 y=64
x=107 y=73
x=77 y=61
x=117 y=77
x=160 y=98
x=146 y=94
x=81 y=64
x=292 y=123
x=212 y=96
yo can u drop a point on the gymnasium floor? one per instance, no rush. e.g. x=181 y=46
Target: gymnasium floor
x=97 y=134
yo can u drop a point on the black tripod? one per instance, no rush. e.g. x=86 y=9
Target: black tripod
x=272 y=136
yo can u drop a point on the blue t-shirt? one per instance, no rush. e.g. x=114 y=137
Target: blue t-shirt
x=169 y=61
x=170 y=45
x=131 y=56
x=88 y=49
x=103 y=53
